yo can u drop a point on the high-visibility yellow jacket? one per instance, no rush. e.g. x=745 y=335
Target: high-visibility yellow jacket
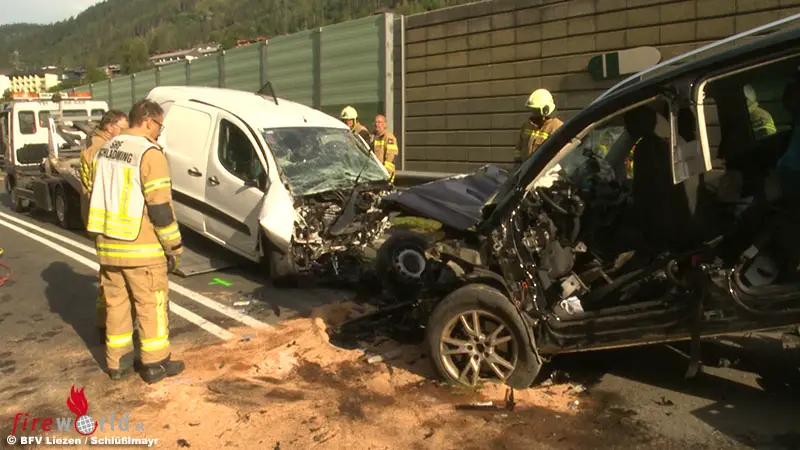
x=385 y=148
x=761 y=121
x=362 y=131
x=130 y=208
x=99 y=138
x=532 y=135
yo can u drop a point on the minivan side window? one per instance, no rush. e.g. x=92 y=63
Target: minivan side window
x=98 y=112
x=237 y=155
x=27 y=122
x=752 y=117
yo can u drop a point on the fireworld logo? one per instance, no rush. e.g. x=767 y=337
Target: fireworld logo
x=82 y=423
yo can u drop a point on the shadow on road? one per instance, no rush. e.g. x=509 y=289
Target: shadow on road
x=72 y=295
x=761 y=414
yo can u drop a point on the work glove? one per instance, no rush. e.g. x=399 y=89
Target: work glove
x=173 y=262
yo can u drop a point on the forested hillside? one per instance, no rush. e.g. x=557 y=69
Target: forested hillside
x=128 y=31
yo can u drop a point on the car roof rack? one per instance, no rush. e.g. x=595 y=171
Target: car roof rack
x=763 y=30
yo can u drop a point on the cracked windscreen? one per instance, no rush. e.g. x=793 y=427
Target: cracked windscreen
x=315 y=160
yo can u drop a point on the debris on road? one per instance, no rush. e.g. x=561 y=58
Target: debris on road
x=242 y=303
x=510 y=403
x=577 y=389
x=573 y=404
x=183 y=443
x=387 y=356
x=247 y=337
x=664 y=402
x=479 y=406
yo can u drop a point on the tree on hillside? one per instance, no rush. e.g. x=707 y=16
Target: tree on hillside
x=7 y=95
x=135 y=55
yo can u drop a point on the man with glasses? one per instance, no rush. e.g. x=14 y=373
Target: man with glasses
x=138 y=244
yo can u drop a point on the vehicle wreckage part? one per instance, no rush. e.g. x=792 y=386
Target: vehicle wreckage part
x=401 y=260
x=475 y=334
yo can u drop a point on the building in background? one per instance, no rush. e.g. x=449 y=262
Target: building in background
x=33 y=81
x=199 y=51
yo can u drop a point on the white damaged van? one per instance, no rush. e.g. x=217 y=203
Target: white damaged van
x=271 y=179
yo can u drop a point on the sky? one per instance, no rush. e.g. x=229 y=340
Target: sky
x=41 y=11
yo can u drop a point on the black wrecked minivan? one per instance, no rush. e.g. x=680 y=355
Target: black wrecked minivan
x=685 y=226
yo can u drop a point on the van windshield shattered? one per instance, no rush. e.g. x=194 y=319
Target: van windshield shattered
x=315 y=160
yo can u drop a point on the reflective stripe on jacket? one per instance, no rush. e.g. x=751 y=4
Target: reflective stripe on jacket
x=385 y=148
x=762 y=122
x=116 y=204
x=87 y=170
x=532 y=135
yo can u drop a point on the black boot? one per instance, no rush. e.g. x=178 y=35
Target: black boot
x=125 y=368
x=153 y=373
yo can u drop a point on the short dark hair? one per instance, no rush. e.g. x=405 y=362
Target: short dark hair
x=144 y=110
x=111 y=117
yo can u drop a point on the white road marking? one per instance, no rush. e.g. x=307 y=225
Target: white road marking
x=177 y=309
x=188 y=293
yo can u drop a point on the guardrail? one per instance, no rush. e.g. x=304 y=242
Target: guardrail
x=408 y=178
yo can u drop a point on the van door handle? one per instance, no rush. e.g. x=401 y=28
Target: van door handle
x=194 y=172
x=213 y=181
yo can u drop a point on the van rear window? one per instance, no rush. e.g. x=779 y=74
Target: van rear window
x=27 y=122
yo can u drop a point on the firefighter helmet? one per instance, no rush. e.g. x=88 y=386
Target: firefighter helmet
x=349 y=113
x=541 y=100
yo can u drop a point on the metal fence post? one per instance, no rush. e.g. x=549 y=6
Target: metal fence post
x=262 y=63
x=188 y=72
x=316 y=55
x=133 y=89
x=387 y=58
x=110 y=93
x=221 y=67
x=401 y=131
x=158 y=76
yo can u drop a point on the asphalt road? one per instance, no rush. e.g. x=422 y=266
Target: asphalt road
x=747 y=397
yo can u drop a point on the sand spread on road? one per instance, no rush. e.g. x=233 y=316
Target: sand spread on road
x=289 y=387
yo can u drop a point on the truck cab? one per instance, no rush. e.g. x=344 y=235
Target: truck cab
x=25 y=128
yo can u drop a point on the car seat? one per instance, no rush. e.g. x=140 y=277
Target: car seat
x=665 y=211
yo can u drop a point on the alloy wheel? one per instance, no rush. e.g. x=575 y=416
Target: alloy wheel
x=477 y=345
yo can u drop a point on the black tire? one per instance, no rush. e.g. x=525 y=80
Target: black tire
x=401 y=262
x=493 y=306
x=66 y=214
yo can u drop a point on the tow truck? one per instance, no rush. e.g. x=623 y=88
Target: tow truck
x=43 y=153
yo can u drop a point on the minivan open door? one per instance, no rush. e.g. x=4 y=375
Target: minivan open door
x=236 y=181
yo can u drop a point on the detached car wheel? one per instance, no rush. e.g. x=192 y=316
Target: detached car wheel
x=401 y=261
x=476 y=334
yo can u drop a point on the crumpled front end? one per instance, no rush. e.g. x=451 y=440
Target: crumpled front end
x=332 y=229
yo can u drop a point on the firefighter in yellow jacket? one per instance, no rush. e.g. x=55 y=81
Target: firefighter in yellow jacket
x=385 y=145
x=349 y=116
x=539 y=126
x=110 y=126
x=138 y=243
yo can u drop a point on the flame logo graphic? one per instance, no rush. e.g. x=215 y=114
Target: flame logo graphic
x=77 y=403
